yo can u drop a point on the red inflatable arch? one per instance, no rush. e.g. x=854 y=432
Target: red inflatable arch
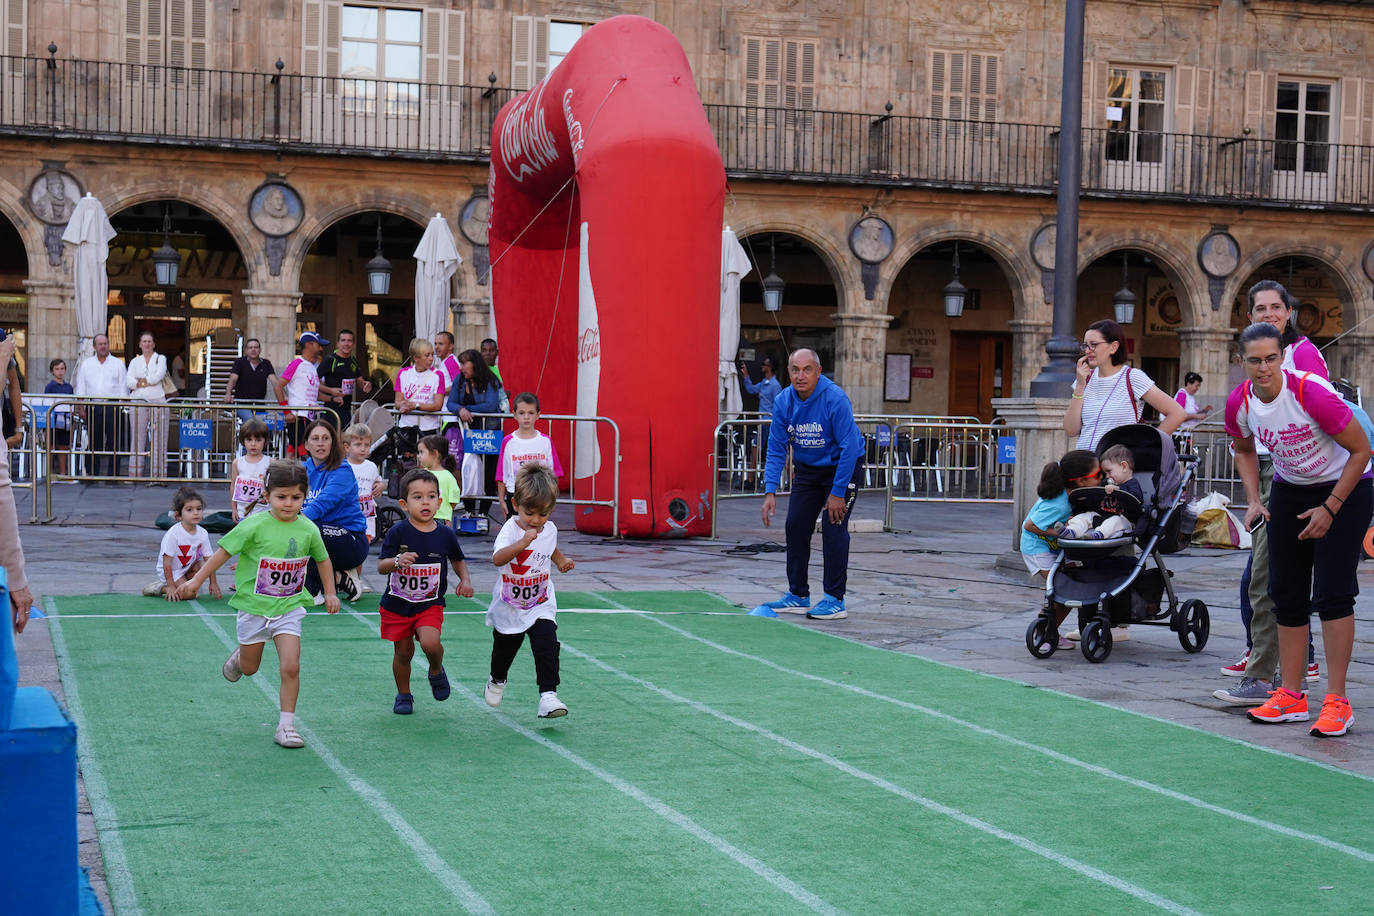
x=607 y=194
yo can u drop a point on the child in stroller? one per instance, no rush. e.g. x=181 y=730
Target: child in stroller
x=1110 y=511
x=1104 y=578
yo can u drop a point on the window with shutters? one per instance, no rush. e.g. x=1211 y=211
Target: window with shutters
x=380 y=53
x=562 y=37
x=1302 y=126
x=1137 y=106
x=780 y=73
x=166 y=33
x=964 y=86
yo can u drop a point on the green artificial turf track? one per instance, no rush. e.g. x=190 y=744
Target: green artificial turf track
x=710 y=761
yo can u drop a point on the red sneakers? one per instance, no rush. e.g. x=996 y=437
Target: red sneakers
x=1336 y=717
x=1238 y=669
x=1282 y=706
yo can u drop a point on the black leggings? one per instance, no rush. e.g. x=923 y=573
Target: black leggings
x=1315 y=575
x=346 y=549
x=543 y=646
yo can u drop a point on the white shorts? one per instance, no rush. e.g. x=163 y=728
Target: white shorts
x=1038 y=562
x=255 y=628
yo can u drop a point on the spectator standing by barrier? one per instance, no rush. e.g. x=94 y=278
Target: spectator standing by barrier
x=340 y=372
x=420 y=387
x=816 y=419
x=1193 y=414
x=477 y=391
x=249 y=378
x=445 y=363
x=60 y=423
x=102 y=376
x=147 y=380
x=13 y=406
x=767 y=388
x=11 y=553
x=299 y=386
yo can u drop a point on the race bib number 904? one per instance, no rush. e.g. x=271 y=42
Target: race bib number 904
x=280 y=578
x=524 y=592
x=417 y=582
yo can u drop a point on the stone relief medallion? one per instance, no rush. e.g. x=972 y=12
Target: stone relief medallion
x=1042 y=246
x=1368 y=261
x=871 y=239
x=473 y=218
x=53 y=195
x=276 y=209
x=1218 y=254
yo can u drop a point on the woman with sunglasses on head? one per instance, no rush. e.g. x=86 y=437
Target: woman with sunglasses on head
x=1108 y=393
x=1318 y=512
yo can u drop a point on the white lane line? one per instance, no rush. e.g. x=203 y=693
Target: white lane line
x=1326 y=842
x=118 y=878
x=1082 y=868
x=662 y=809
x=466 y=895
x=473 y=613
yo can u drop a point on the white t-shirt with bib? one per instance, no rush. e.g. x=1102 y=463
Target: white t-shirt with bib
x=367 y=476
x=302 y=385
x=419 y=388
x=523 y=592
x=248 y=488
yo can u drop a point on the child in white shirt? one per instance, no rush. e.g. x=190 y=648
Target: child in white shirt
x=357 y=446
x=524 y=446
x=185 y=548
x=522 y=600
x=247 y=472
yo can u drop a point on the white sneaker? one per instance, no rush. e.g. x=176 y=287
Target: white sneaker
x=494 y=691
x=550 y=707
x=1120 y=634
x=287 y=736
x=231 y=670
x=1073 y=635
x=318 y=599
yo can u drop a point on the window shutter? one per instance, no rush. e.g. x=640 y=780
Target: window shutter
x=1350 y=111
x=16 y=13
x=982 y=87
x=434 y=46
x=1185 y=85
x=186 y=35
x=954 y=105
x=1092 y=105
x=772 y=73
x=312 y=35
x=799 y=75
x=1367 y=113
x=936 y=83
x=753 y=77
x=455 y=39
x=133 y=31
x=331 y=39
x=154 y=29
x=1257 y=103
x=540 y=64
x=1202 y=101
x=529 y=51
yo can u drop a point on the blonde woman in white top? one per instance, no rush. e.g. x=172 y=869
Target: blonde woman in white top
x=144 y=377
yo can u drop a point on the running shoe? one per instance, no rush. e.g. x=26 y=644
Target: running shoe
x=1251 y=691
x=287 y=736
x=345 y=585
x=230 y=669
x=828 y=609
x=439 y=686
x=550 y=707
x=1314 y=672
x=1238 y=669
x=1336 y=718
x=494 y=691
x=787 y=604
x=404 y=705
x=1282 y=706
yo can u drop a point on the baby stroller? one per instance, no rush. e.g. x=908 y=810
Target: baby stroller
x=1104 y=579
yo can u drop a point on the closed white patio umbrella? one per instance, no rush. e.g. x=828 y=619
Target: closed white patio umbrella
x=89 y=233
x=436 y=261
x=734 y=266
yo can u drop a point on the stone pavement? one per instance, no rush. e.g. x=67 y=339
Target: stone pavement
x=947 y=589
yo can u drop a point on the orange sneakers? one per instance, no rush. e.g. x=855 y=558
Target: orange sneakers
x=1336 y=717
x=1282 y=706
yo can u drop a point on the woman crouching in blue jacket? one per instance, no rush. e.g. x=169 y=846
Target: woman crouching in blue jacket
x=332 y=504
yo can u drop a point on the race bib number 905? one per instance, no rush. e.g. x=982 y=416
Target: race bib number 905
x=524 y=593
x=416 y=583
x=280 y=578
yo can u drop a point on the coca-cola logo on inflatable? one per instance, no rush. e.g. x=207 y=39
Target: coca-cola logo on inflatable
x=527 y=144
x=590 y=346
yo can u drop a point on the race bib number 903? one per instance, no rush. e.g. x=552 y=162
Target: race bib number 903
x=524 y=592
x=280 y=578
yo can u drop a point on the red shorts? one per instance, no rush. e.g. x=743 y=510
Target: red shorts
x=396 y=627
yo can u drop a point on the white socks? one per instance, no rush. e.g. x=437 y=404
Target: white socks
x=287 y=720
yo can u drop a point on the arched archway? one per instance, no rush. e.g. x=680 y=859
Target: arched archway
x=939 y=363
x=14 y=302
x=1326 y=303
x=334 y=285
x=811 y=295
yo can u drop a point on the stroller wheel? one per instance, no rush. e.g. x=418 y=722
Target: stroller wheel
x=386 y=517
x=1193 y=624
x=1096 y=642
x=1038 y=638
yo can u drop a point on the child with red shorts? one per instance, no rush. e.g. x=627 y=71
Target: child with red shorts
x=415 y=555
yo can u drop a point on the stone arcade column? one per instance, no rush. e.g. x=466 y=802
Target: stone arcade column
x=1039 y=427
x=1028 y=339
x=272 y=319
x=860 y=341
x=52 y=328
x=472 y=325
x=1207 y=351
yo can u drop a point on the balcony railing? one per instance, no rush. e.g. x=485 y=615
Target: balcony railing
x=284 y=112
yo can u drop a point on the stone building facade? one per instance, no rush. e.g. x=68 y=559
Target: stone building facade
x=865 y=143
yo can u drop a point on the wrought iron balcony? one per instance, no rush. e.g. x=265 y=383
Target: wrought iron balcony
x=76 y=99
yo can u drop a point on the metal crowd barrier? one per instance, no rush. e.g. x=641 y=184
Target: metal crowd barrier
x=552 y=425
x=200 y=440
x=1216 y=466
x=946 y=462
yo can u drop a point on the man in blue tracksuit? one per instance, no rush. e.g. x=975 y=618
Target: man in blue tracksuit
x=815 y=418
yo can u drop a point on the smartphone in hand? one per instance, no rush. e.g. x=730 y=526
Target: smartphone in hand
x=1259 y=523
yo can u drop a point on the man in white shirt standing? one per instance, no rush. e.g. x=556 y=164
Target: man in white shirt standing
x=445 y=363
x=102 y=376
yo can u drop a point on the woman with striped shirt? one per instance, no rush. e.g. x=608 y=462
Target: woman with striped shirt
x=1108 y=393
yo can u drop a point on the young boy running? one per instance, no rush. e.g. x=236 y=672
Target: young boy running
x=522 y=601
x=414 y=557
x=524 y=446
x=185 y=548
x=274 y=548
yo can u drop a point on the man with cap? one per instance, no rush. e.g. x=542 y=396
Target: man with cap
x=816 y=420
x=299 y=386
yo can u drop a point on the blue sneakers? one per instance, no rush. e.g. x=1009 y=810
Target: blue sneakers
x=404 y=705
x=788 y=604
x=828 y=609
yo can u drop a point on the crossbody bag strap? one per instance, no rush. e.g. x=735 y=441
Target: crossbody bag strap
x=1130 y=393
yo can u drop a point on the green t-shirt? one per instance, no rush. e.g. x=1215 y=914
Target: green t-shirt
x=449 y=493
x=270 y=579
